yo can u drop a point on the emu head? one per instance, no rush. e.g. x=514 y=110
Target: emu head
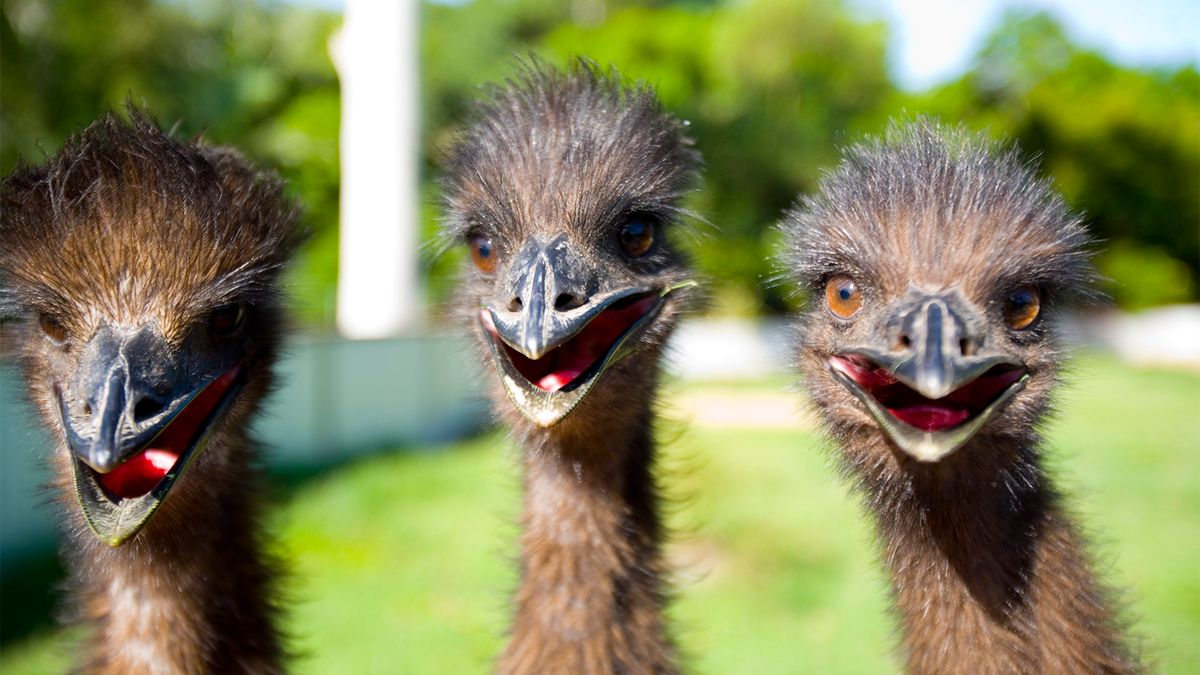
x=137 y=287
x=564 y=188
x=934 y=264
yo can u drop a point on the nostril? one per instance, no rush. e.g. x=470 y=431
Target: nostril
x=567 y=301
x=964 y=347
x=87 y=409
x=515 y=305
x=903 y=342
x=146 y=408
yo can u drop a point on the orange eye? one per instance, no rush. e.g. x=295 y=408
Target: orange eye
x=53 y=328
x=637 y=236
x=1021 y=307
x=842 y=296
x=482 y=253
x=226 y=319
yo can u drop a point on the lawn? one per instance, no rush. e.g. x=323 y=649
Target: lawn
x=402 y=562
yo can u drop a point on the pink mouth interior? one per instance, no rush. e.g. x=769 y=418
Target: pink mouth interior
x=910 y=407
x=139 y=474
x=562 y=365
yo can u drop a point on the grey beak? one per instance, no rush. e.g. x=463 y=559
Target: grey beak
x=552 y=298
x=530 y=330
x=127 y=389
x=935 y=350
x=123 y=395
x=103 y=453
x=936 y=345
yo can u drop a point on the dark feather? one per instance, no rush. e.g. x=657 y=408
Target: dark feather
x=988 y=572
x=126 y=225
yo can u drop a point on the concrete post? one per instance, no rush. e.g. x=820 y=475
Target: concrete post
x=376 y=57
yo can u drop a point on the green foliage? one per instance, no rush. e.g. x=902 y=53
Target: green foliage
x=462 y=48
x=771 y=89
x=1122 y=145
x=765 y=102
x=1138 y=276
x=256 y=76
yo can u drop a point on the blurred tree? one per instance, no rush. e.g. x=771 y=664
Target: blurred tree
x=1122 y=144
x=252 y=75
x=770 y=89
x=766 y=102
x=462 y=47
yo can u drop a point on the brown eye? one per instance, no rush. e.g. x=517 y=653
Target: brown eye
x=1021 y=307
x=482 y=254
x=842 y=296
x=637 y=236
x=53 y=328
x=226 y=320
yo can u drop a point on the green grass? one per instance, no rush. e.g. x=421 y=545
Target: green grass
x=402 y=562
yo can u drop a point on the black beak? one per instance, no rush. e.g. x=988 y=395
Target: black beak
x=555 y=332
x=936 y=351
x=552 y=298
x=130 y=392
x=939 y=383
x=124 y=393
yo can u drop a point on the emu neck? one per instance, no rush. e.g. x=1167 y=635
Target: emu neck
x=191 y=592
x=590 y=598
x=990 y=576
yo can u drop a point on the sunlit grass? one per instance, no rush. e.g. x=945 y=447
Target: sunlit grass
x=402 y=562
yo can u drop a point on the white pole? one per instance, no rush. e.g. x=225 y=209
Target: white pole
x=376 y=57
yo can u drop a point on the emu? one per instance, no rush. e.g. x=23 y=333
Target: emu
x=564 y=187
x=937 y=265
x=139 y=291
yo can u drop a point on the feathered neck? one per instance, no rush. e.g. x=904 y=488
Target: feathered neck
x=989 y=574
x=193 y=592
x=591 y=596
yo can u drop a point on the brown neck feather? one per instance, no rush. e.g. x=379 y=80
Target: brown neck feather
x=192 y=592
x=590 y=598
x=989 y=575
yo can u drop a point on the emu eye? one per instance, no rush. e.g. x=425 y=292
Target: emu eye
x=226 y=319
x=637 y=236
x=53 y=328
x=842 y=296
x=482 y=253
x=1021 y=307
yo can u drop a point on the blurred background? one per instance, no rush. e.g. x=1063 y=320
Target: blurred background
x=400 y=518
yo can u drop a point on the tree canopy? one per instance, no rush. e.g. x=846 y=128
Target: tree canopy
x=771 y=90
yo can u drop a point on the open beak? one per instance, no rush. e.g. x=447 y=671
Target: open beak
x=555 y=339
x=134 y=442
x=547 y=377
x=929 y=396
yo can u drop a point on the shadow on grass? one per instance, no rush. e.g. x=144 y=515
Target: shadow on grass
x=29 y=591
x=31 y=583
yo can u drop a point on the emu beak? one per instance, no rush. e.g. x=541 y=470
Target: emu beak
x=932 y=393
x=534 y=332
x=555 y=338
x=134 y=419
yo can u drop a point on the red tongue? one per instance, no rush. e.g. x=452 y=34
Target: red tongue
x=139 y=474
x=561 y=366
x=577 y=355
x=557 y=380
x=914 y=409
x=930 y=417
